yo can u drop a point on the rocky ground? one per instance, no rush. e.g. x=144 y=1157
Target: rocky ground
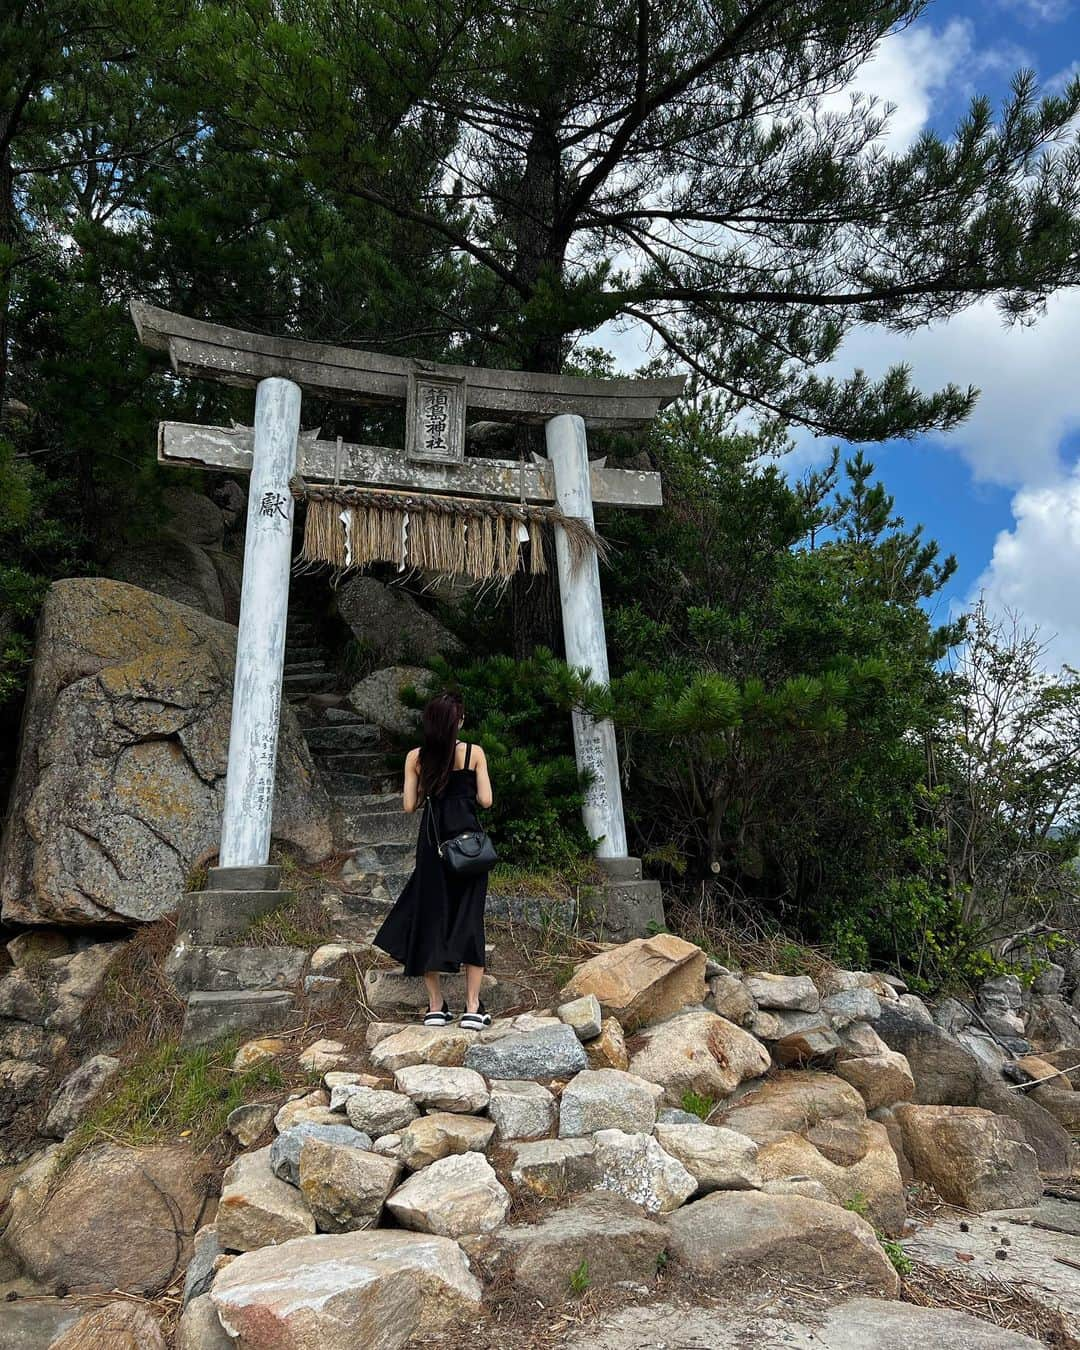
x=670 y=1154
x=646 y=1149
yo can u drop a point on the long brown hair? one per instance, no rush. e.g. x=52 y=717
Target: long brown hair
x=441 y=720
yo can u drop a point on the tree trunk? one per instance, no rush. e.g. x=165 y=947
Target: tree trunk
x=534 y=599
x=7 y=260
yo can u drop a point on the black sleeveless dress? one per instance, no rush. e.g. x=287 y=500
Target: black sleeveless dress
x=437 y=922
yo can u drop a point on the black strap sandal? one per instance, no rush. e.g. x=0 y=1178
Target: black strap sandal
x=476 y=1021
x=442 y=1018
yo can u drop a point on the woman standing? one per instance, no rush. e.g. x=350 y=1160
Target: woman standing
x=437 y=923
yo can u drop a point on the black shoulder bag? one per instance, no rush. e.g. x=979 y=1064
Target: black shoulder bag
x=469 y=854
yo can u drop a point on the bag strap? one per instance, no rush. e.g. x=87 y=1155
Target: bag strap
x=468 y=753
x=431 y=825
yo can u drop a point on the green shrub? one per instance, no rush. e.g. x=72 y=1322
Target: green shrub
x=697 y=1105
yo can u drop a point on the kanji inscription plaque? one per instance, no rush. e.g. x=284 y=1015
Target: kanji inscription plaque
x=435 y=419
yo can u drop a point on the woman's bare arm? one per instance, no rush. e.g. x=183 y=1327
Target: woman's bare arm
x=411 y=793
x=483 y=782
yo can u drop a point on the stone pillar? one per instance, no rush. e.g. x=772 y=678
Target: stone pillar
x=260 y=644
x=583 y=632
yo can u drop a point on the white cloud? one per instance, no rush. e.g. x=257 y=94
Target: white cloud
x=1040 y=11
x=1035 y=565
x=1030 y=394
x=908 y=70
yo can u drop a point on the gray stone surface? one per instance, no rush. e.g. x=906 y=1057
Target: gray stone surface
x=119 y=785
x=549 y=1052
x=76 y=1094
x=620 y=910
x=211 y=1016
x=946 y=1074
x=286 y=1148
x=378 y=1111
x=731 y=1327
x=851 y=1005
x=191 y=966
x=607 y=1099
x=392 y=624
x=791 y=993
x=874 y=1324
x=521 y=1108
x=199 y=1275
x=33 y=1324
x=377 y=697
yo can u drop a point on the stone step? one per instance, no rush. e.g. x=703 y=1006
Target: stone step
x=341 y=717
x=315 y=682
x=371 y=801
x=340 y=737
x=211 y=1016
x=392 y=855
x=303 y=667
x=301 y=630
x=377 y=885
x=348 y=784
x=213 y=969
x=302 y=652
x=381 y=827
x=355 y=761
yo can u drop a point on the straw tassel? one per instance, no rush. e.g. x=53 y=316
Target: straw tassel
x=349 y=527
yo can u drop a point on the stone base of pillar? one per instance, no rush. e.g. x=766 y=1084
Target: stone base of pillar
x=266 y=878
x=626 y=906
x=209 y=918
x=621 y=869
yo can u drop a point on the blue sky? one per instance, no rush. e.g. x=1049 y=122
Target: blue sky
x=1002 y=492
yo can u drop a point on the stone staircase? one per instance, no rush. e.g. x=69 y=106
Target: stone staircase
x=355 y=761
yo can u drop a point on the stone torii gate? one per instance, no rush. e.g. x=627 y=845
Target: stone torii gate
x=437 y=399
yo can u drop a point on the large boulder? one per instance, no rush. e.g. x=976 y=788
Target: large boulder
x=698 y=1051
x=257 y=1207
x=971 y=1157
x=788 y=1235
x=345 y=1187
x=717 y=1158
x=377 y=697
x=871 y=1181
x=454 y=1196
x=636 y=1167
x=946 y=1074
x=115 y=1218
x=120 y=782
x=607 y=1099
x=186 y=561
x=374 y=1289
x=604 y=1236
x=643 y=980
x=393 y=626
x=121 y=1325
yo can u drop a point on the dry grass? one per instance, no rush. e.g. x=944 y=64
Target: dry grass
x=136 y=1005
x=1001 y=1302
